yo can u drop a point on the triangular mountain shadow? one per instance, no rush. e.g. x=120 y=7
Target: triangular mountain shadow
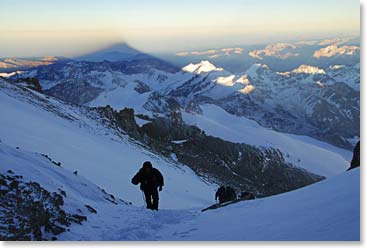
x=117 y=52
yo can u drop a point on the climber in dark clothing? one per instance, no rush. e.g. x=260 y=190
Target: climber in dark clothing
x=150 y=180
x=225 y=193
x=356 y=157
x=221 y=194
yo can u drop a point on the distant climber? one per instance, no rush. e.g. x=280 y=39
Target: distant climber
x=150 y=180
x=356 y=157
x=221 y=194
x=225 y=194
x=246 y=196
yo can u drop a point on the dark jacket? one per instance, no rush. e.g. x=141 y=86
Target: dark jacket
x=149 y=181
x=221 y=194
x=356 y=157
x=225 y=193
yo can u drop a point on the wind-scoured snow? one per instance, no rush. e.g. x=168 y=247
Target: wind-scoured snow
x=316 y=156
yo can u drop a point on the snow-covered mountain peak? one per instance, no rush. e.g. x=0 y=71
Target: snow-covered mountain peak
x=203 y=66
x=308 y=69
x=334 y=50
x=226 y=81
x=255 y=67
x=336 y=67
x=349 y=74
x=247 y=89
x=243 y=80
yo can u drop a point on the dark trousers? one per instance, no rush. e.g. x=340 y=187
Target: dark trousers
x=152 y=198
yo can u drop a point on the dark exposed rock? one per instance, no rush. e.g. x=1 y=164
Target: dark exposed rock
x=244 y=167
x=123 y=120
x=51 y=160
x=78 y=218
x=141 y=87
x=30 y=82
x=3 y=182
x=62 y=192
x=74 y=91
x=30 y=212
x=91 y=209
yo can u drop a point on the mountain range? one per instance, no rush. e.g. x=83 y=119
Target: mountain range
x=321 y=103
x=73 y=124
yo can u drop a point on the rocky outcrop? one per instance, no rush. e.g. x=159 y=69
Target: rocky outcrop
x=30 y=212
x=30 y=82
x=77 y=92
x=244 y=167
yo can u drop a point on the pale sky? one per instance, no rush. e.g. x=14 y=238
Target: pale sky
x=73 y=27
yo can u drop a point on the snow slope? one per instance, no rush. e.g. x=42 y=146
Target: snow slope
x=315 y=156
x=35 y=167
x=120 y=98
x=328 y=210
x=44 y=125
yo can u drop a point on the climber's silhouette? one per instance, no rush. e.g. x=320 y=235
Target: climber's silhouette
x=356 y=157
x=150 y=180
x=225 y=194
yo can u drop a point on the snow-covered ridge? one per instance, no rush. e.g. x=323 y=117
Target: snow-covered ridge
x=326 y=159
x=226 y=81
x=15 y=63
x=308 y=69
x=252 y=70
x=334 y=50
x=94 y=150
x=213 y=53
x=69 y=199
x=137 y=84
x=10 y=74
x=278 y=50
